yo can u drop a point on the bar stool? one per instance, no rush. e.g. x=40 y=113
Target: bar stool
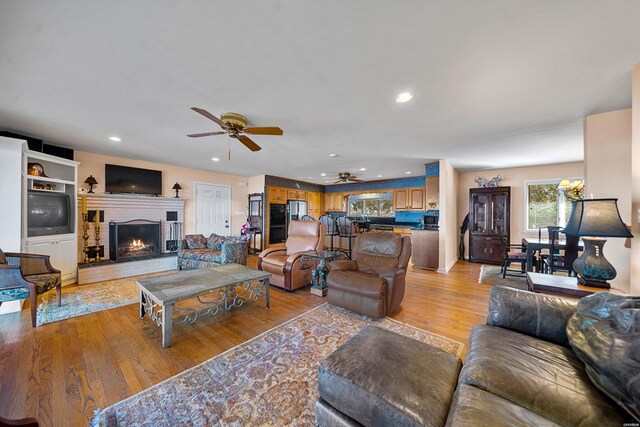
x=307 y=218
x=346 y=229
x=331 y=229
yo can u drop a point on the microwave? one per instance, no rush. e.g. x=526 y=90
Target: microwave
x=431 y=221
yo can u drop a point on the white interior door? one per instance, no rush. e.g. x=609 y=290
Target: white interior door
x=213 y=210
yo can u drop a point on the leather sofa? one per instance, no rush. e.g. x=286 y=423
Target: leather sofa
x=373 y=282
x=285 y=264
x=519 y=370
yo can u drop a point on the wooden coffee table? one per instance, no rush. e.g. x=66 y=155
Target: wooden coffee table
x=563 y=285
x=158 y=295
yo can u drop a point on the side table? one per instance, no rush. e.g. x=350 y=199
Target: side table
x=320 y=271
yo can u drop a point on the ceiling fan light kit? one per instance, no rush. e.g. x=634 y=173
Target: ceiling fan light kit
x=235 y=125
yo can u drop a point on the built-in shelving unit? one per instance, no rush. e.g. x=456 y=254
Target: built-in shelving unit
x=61 y=177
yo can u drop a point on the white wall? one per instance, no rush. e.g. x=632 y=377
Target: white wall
x=514 y=178
x=634 y=260
x=10 y=193
x=448 y=233
x=607 y=166
x=11 y=196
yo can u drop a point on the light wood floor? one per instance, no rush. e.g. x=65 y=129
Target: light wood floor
x=61 y=372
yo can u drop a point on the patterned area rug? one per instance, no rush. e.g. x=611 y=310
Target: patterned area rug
x=269 y=380
x=85 y=299
x=491 y=275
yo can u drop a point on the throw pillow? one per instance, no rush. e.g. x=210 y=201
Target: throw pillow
x=605 y=334
x=196 y=241
x=3 y=258
x=215 y=242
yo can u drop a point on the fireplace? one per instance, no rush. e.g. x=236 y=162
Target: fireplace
x=134 y=239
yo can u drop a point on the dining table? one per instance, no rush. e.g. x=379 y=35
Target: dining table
x=533 y=244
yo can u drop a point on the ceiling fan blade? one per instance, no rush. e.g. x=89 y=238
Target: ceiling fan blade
x=354 y=179
x=210 y=116
x=249 y=143
x=264 y=131
x=198 y=135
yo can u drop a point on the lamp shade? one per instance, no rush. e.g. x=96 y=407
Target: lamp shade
x=177 y=186
x=91 y=180
x=596 y=218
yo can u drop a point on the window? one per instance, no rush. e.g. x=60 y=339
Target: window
x=371 y=205
x=546 y=204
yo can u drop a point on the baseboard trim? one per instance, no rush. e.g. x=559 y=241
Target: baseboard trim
x=448 y=267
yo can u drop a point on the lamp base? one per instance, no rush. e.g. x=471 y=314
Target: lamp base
x=592 y=267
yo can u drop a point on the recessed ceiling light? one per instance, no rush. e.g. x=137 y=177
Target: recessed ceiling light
x=363 y=169
x=404 y=97
x=379 y=176
x=333 y=155
x=115 y=139
x=323 y=174
x=215 y=159
x=408 y=172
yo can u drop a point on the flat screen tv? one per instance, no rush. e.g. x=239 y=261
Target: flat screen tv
x=124 y=179
x=48 y=213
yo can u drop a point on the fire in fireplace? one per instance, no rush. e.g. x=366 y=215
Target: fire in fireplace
x=134 y=239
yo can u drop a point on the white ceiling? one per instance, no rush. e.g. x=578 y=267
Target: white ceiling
x=496 y=83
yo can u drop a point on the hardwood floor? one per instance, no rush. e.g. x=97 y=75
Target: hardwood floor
x=61 y=372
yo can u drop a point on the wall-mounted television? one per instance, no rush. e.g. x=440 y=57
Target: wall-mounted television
x=48 y=213
x=124 y=179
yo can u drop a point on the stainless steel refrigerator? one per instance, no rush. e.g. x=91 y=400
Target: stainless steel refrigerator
x=295 y=211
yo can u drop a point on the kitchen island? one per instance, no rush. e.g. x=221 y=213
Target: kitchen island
x=425 y=248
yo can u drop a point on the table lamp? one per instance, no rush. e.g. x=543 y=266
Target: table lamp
x=177 y=188
x=592 y=220
x=91 y=181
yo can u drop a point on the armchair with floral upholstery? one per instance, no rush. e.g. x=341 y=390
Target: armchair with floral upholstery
x=24 y=276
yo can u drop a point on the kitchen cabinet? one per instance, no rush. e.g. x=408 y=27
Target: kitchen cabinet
x=296 y=195
x=425 y=249
x=62 y=251
x=334 y=202
x=408 y=199
x=432 y=193
x=489 y=216
x=313 y=204
x=277 y=194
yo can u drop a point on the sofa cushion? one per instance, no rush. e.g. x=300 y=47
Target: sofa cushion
x=545 y=378
x=206 y=255
x=196 y=241
x=382 y=378
x=472 y=406
x=215 y=242
x=357 y=282
x=274 y=263
x=605 y=334
x=44 y=282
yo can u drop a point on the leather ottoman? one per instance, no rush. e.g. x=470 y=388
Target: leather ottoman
x=380 y=378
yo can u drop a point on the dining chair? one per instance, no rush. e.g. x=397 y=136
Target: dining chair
x=562 y=261
x=543 y=254
x=513 y=253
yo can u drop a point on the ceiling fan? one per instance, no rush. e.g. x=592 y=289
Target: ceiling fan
x=235 y=125
x=346 y=177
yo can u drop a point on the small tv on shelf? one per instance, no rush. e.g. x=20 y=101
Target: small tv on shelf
x=48 y=213
x=128 y=180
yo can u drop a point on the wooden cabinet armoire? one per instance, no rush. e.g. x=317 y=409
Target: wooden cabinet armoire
x=489 y=210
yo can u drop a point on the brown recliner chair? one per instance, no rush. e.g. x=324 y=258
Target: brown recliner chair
x=285 y=264
x=372 y=283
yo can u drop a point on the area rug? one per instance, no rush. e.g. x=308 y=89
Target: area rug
x=268 y=380
x=491 y=275
x=90 y=298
